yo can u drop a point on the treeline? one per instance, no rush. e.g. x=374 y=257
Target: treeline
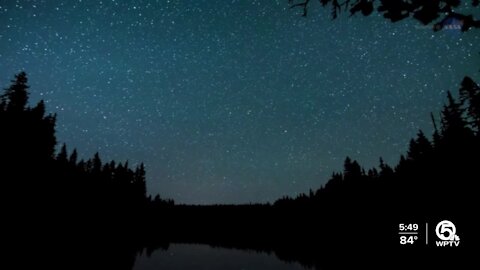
x=437 y=179
x=357 y=210
x=97 y=213
x=30 y=163
x=55 y=197
x=445 y=164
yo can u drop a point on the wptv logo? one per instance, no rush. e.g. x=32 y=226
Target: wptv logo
x=447 y=233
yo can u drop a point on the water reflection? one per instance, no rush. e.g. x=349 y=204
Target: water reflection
x=197 y=257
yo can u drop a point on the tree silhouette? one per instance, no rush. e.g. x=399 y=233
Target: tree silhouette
x=419 y=148
x=62 y=155
x=351 y=170
x=470 y=95
x=73 y=158
x=105 y=203
x=28 y=134
x=454 y=126
x=423 y=11
x=102 y=203
x=15 y=98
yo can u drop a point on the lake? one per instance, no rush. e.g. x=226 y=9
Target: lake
x=198 y=257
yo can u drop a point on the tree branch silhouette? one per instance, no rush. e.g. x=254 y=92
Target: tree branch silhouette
x=426 y=12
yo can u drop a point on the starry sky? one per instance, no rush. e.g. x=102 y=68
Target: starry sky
x=231 y=101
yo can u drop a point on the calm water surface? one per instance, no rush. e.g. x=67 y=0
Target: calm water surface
x=198 y=257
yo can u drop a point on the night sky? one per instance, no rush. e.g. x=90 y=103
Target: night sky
x=231 y=101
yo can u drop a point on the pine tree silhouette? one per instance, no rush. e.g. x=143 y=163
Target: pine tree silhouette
x=470 y=95
x=77 y=202
x=105 y=203
x=16 y=96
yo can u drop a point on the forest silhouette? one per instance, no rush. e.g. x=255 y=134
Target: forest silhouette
x=98 y=213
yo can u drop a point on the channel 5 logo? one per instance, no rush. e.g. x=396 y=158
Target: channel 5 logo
x=447 y=233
